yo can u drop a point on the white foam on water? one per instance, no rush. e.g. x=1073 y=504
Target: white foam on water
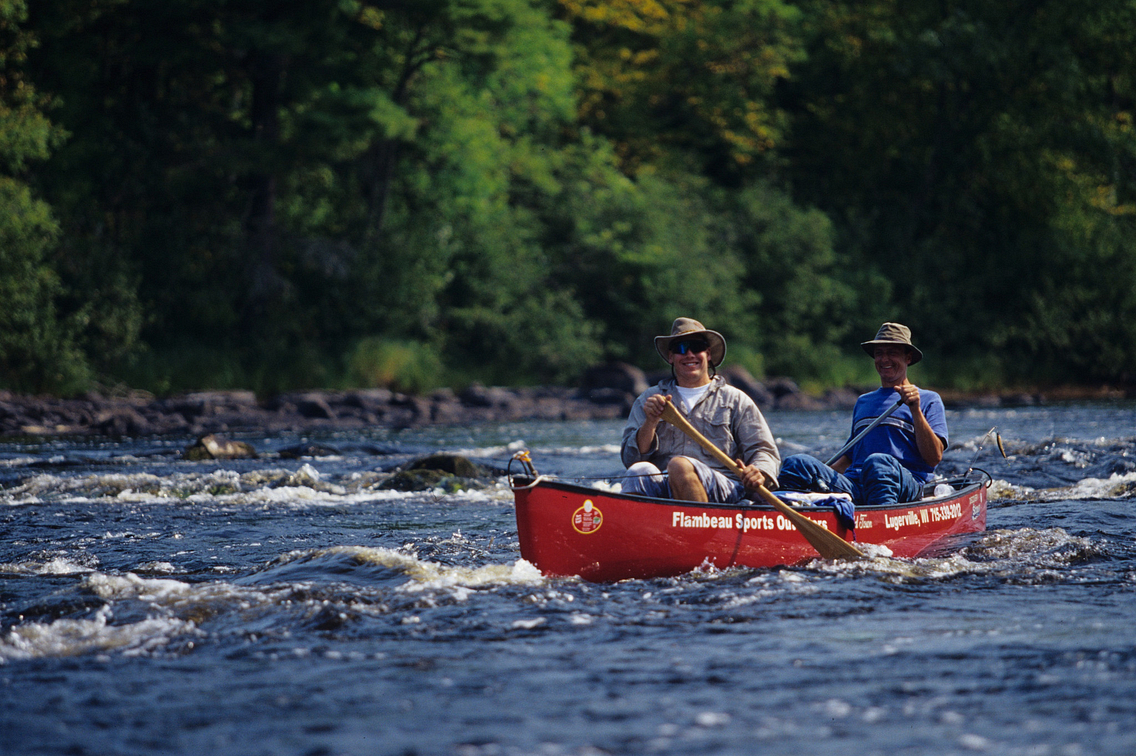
x=19 y=461
x=61 y=566
x=1016 y=545
x=177 y=597
x=1114 y=487
x=1000 y=489
x=431 y=576
x=837 y=708
x=56 y=566
x=712 y=719
x=1020 y=552
x=425 y=576
x=539 y=451
x=880 y=561
x=157 y=567
x=305 y=485
x=130 y=586
x=175 y=600
x=875 y=550
x=488 y=452
x=287 y=495
x=757 y=596
x=612 y=449
x=71 y=637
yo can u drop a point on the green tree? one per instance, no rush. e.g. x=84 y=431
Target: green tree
x=287 y=179
x=638 y=253
x=979 y=157
x=447 y=234
x=37 y=346
x=686 y=93
x=670 y=81
x=808 y=304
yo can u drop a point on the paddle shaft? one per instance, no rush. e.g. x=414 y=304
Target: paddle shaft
x=828 y=544
x=866 y=431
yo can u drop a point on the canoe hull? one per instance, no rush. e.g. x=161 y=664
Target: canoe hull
x=571 y=530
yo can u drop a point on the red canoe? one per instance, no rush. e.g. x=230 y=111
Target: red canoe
x=567 y=529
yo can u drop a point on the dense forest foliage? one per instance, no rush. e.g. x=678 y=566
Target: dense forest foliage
x=413 y=193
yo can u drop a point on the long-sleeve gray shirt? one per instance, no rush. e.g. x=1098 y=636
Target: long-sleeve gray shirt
x=725 y=415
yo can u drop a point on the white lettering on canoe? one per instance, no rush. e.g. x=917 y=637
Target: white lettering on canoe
x=737 y=522
x=895 y=522
x=946 y=512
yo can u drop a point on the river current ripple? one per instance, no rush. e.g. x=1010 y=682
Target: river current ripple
x=289 y=606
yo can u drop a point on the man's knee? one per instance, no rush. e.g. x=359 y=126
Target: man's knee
x=645 y=479
x=887 y=481
x=642 y=469
x=680 y=466
x=881 y=464
x=797 y=464
x=684 y=480
x=800 y=472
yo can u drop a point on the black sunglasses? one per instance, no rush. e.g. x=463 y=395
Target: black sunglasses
x=682 y=347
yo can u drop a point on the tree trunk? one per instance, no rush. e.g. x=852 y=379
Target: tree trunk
x=266 y=72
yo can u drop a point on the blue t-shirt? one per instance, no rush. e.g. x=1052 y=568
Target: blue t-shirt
x=896 y=434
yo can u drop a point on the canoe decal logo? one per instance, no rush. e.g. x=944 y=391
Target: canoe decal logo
x=587 y=519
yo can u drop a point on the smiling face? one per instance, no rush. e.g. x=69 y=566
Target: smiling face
x=891 y=364
x=691 y=369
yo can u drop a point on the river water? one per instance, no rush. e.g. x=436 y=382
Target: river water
x=289 y=606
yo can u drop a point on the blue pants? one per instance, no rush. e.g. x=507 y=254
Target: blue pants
x=882 y=479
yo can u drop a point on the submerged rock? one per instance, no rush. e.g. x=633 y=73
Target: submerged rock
x=454 y=464
x=212 y=447
x=451 y=472
x=308 y=450
x=421 y=480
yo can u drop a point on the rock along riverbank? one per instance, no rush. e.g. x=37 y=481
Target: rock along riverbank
x=604 y=392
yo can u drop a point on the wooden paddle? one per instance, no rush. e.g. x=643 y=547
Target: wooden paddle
x=828 y=544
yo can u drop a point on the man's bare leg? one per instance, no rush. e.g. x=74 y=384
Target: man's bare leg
x=684 y=481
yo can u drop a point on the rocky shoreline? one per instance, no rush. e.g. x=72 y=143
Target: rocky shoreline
x=605 y=392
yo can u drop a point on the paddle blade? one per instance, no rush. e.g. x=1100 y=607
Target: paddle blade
x=828 y=544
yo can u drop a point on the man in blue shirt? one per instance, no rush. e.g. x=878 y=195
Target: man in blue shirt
x=892 y=462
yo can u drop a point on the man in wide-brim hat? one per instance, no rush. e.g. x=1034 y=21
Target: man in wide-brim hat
x=721 y=412
x=894 y=461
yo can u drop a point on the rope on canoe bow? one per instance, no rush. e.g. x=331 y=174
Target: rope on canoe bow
x=525 y=460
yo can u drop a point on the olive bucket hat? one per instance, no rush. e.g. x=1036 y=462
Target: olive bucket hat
x=893 y=333
x=688 y=328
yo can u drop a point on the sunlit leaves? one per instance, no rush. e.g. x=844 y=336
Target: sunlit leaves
x=693 y=76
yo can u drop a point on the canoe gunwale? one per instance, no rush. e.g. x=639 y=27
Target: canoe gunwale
x=961 y=486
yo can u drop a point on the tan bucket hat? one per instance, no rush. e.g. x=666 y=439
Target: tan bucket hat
x=685 y=328
x=893 y=333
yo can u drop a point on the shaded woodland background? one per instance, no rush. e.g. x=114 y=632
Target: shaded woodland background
x=333 y=193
